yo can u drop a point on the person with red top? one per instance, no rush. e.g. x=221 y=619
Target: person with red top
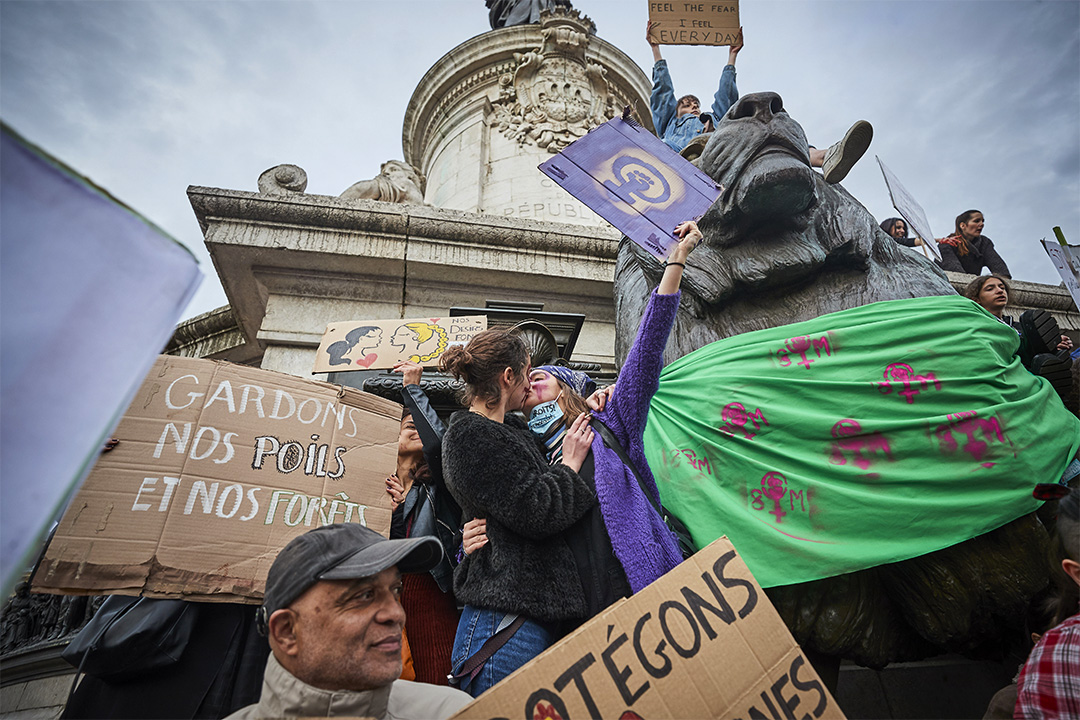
x=422 y=506
x=1049 y=683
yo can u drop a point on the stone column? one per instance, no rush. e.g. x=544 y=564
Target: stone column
x=496 y=106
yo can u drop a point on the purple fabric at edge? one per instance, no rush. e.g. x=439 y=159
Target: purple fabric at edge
x=642 y=541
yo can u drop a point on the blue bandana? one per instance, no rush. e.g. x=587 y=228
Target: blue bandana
x=578 y=381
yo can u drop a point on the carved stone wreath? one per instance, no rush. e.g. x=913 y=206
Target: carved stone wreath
x=555 y=95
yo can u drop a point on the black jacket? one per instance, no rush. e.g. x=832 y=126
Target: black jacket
x=447 y=513
x=980 y=252
x=498 y=471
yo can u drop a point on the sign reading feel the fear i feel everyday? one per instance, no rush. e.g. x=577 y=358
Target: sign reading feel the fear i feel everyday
x=694 y=23
x=629 y=177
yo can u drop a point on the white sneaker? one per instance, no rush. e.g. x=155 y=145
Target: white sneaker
x=841 y=157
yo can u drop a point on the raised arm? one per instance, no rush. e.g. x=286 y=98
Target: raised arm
x=949 y=260
x=640 y=374
x=727 y=93
x=662 y=103
x=430 y=428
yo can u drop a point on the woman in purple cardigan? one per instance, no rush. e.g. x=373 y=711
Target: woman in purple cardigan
x=622 y=544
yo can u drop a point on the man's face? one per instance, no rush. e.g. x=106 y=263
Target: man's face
x=687 y=105
x=348 y=633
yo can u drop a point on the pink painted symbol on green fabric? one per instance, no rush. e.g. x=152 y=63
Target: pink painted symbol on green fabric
x=773 y=487
x=736 y=418
x=801 y=346
x=698 y=463
x=903 y=376
x=969 y=427
x=850 y=438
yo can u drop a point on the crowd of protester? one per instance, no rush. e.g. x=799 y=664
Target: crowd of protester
x=534 y=508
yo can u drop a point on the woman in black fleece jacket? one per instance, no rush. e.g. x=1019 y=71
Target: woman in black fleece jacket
x=496 y=469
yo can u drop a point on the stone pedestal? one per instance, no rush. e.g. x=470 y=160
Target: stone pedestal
x=290 y=264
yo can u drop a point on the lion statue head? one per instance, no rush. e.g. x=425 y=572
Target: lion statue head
x=780 y=245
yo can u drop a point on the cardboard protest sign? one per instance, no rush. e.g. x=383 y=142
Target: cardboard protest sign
x=1062 y=258
x=695 y=23
x=702 y=641
x=909 y=209
x=381 y=344
x=218 y=467
x=629 y=177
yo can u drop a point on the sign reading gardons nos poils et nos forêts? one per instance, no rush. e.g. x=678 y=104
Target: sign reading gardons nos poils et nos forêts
x=217 y=468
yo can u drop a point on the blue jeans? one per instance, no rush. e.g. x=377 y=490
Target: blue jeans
x=475 y=627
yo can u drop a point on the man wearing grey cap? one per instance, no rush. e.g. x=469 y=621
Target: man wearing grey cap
x=333 y=615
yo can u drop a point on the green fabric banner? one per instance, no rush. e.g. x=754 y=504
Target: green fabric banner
x=858 y=438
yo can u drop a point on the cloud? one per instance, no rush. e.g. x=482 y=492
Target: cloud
x=974 y=104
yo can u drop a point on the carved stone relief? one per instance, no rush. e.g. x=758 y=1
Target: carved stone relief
x=555 y=94
x=283 y=180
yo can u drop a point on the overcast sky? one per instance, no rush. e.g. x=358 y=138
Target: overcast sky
x=975 y=104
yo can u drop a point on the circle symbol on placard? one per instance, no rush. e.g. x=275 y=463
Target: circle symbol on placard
x=638 y=179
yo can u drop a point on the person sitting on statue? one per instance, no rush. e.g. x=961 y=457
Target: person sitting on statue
x=897 y=229
x=677 y=122
x=967 y=250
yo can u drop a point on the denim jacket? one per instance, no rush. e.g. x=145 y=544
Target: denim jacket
x=678 y=132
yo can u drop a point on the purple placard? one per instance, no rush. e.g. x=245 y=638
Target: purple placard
x=629 y=177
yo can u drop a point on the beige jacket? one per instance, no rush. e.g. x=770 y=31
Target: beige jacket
x=285 y=696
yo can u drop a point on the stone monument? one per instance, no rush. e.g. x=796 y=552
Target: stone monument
x=781 y=246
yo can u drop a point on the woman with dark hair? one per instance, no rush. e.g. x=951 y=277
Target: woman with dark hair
x=423 y=506
x=992 y=293
x=616 y=546
x=497 y=470
x=897 y=229
x=622 y=544
x=968 y=250
x=1049 y=683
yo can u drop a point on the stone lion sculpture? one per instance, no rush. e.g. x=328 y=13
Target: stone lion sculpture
x=397 y=182
x=782 y=246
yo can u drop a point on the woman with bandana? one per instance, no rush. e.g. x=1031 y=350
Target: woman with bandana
x=967 y=250
x=621 y=544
